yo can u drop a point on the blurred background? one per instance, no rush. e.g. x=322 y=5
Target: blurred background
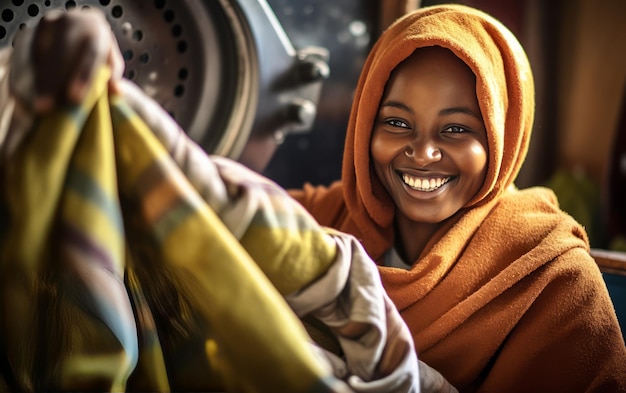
x=270 y=83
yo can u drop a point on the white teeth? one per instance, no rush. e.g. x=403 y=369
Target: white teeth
x=424 y=184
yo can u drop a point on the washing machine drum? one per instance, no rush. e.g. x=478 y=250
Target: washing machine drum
x=224 y=70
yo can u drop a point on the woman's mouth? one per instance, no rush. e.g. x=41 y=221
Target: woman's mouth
x=424 y=184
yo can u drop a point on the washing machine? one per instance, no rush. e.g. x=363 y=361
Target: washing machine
x=225 y=70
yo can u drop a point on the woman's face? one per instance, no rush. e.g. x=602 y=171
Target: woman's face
x=429 y=144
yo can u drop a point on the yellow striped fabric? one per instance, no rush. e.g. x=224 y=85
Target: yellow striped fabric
x=87 y=310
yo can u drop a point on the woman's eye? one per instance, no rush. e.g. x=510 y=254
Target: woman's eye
x=456 y=129
x=397 y=123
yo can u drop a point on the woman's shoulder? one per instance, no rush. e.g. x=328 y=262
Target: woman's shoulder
x=310 y=195
x=325 y=203
x=535 y=202
x=538 y=196
x=532 y=219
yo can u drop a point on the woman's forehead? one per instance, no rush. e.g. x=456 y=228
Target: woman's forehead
x=434 y=56
x=432 y=70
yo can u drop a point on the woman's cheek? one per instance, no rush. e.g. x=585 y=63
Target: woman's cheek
x=477 y=155
x=381 y=150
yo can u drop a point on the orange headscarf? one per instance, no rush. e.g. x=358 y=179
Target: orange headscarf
x=504 y=86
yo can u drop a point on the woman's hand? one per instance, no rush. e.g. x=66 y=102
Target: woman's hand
x=67 y=49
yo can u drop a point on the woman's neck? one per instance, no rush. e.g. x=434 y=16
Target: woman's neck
x=412 y=238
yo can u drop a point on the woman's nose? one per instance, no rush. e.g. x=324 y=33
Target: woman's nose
x=423 y=153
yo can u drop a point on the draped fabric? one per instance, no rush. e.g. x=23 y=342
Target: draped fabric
x=63 y=261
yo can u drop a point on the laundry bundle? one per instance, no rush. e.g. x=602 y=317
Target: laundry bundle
x=132 y=260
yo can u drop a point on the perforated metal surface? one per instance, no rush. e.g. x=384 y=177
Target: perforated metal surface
x=190 y=56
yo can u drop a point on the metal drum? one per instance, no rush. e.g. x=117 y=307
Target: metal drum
x=225 y=70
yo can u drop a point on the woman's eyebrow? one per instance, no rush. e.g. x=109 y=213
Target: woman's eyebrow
x=443 y=112
x=460 y=109
x=397 y=104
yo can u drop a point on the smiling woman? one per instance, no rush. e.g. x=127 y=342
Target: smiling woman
x=496 y=283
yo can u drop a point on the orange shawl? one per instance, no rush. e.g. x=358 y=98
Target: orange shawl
x=508 y=298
